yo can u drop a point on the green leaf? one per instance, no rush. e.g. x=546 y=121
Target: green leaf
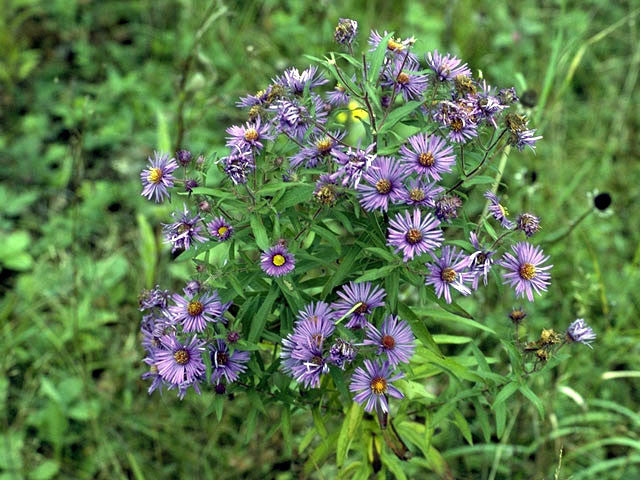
x=260 y=319
x=463 y=426
x=294 y=196
x=377 y=59
x=448 y=316
x=501 y=419
x=287 y=434
x=533 y=398
x=398 y=114
x=347 y=432
x=344 y=269
x=47 y=469
x=162 y=131
x=376 y=273
x=148 y=250
x=419 y=328
x=213 y=192
x=319 y=423
x=262 y=240
x=506 y=391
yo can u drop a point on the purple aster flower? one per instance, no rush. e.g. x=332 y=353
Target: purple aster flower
x=525 y=138
x=312 y=332
x=446 y=67
x=309 y=365
x=579 y=331
x=154 y=298
x=192 y=287
x=428 y=156
x=184 y=231
x=353 y=163
x=238 y=165
x=414 y=235
x=361 y=297
x=248 y=136
x=260 y=98
x=277 y=261
x=294 y=119
x=420 y=193
x=395 y=46
x=373 y=385
x=405 y=79
x=342 y=353
x=296 y=81
x=382 y=184
x=447 y=207
x=480 y=262
x=488 y=105
x=224 y=364
x=395 y=339
x=220 y=229
x=498 y=211
x=193 y=313
x=180 y=363
x=184 y=157
x=528 y=223
x=183 y=387
x=525 y=271
x=320 y=147
x=449 y=271
x=150 y=341
x=338 y=97
x=463 y=128
x=158 y=177
x=315 y=311
x=346 y=31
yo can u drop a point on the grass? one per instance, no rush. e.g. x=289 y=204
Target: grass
x=89 y=89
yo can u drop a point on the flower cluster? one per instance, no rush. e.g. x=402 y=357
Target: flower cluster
x=177 y=330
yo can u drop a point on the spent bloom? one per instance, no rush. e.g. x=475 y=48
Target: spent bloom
x=346 y=31
x=220 y=229
x=447 y=207
x=449 y=271
x=354 y=163
x=382 y=183
x=238 y=165
x=277 y=261
x=395 y=339
x=498 y=211
x=528 y=223
x=480 y=262
x=360 y=296
x=184 y=231
x=372 y=384
x=193 y=313
x=525 y=271
x=157 y=178
x=414 y=235
x=342 y=353
x=427 y=155
x=580 y=332
x=225 y=364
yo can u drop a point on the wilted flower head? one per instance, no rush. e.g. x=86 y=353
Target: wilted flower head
x=238 y=164
x=184 y=231
x=342 y=353
x=372 y=385
x=277 y=261
x=498 y=211
x=326 y=190
x=517 y=315
x=353 y=163
x=155 y=297
x=579 y=331
x=480 y=262
x=157 y=178
x=525 y=270
x=447 y=207
x=528 y=223
x=346 y=31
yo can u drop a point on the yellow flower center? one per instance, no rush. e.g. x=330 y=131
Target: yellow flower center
x=278 y=260
x=383 y=186
x=251 y=134
x=413 y=236
x=324 y=145
x=222 y=230
x=416 y=195
x=379 y=385
x=457 y=124
x=528 y=271
x=155 y=175
x=181 y=357
x=394 y=45
x=403 y=78
x=426 y=159
x=503 y=210
x=195 y=308
x=340 y=88
x=448 y=275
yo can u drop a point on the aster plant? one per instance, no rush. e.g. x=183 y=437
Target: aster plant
x=324 y=245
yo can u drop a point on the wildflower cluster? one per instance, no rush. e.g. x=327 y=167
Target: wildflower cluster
x=343 y=192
